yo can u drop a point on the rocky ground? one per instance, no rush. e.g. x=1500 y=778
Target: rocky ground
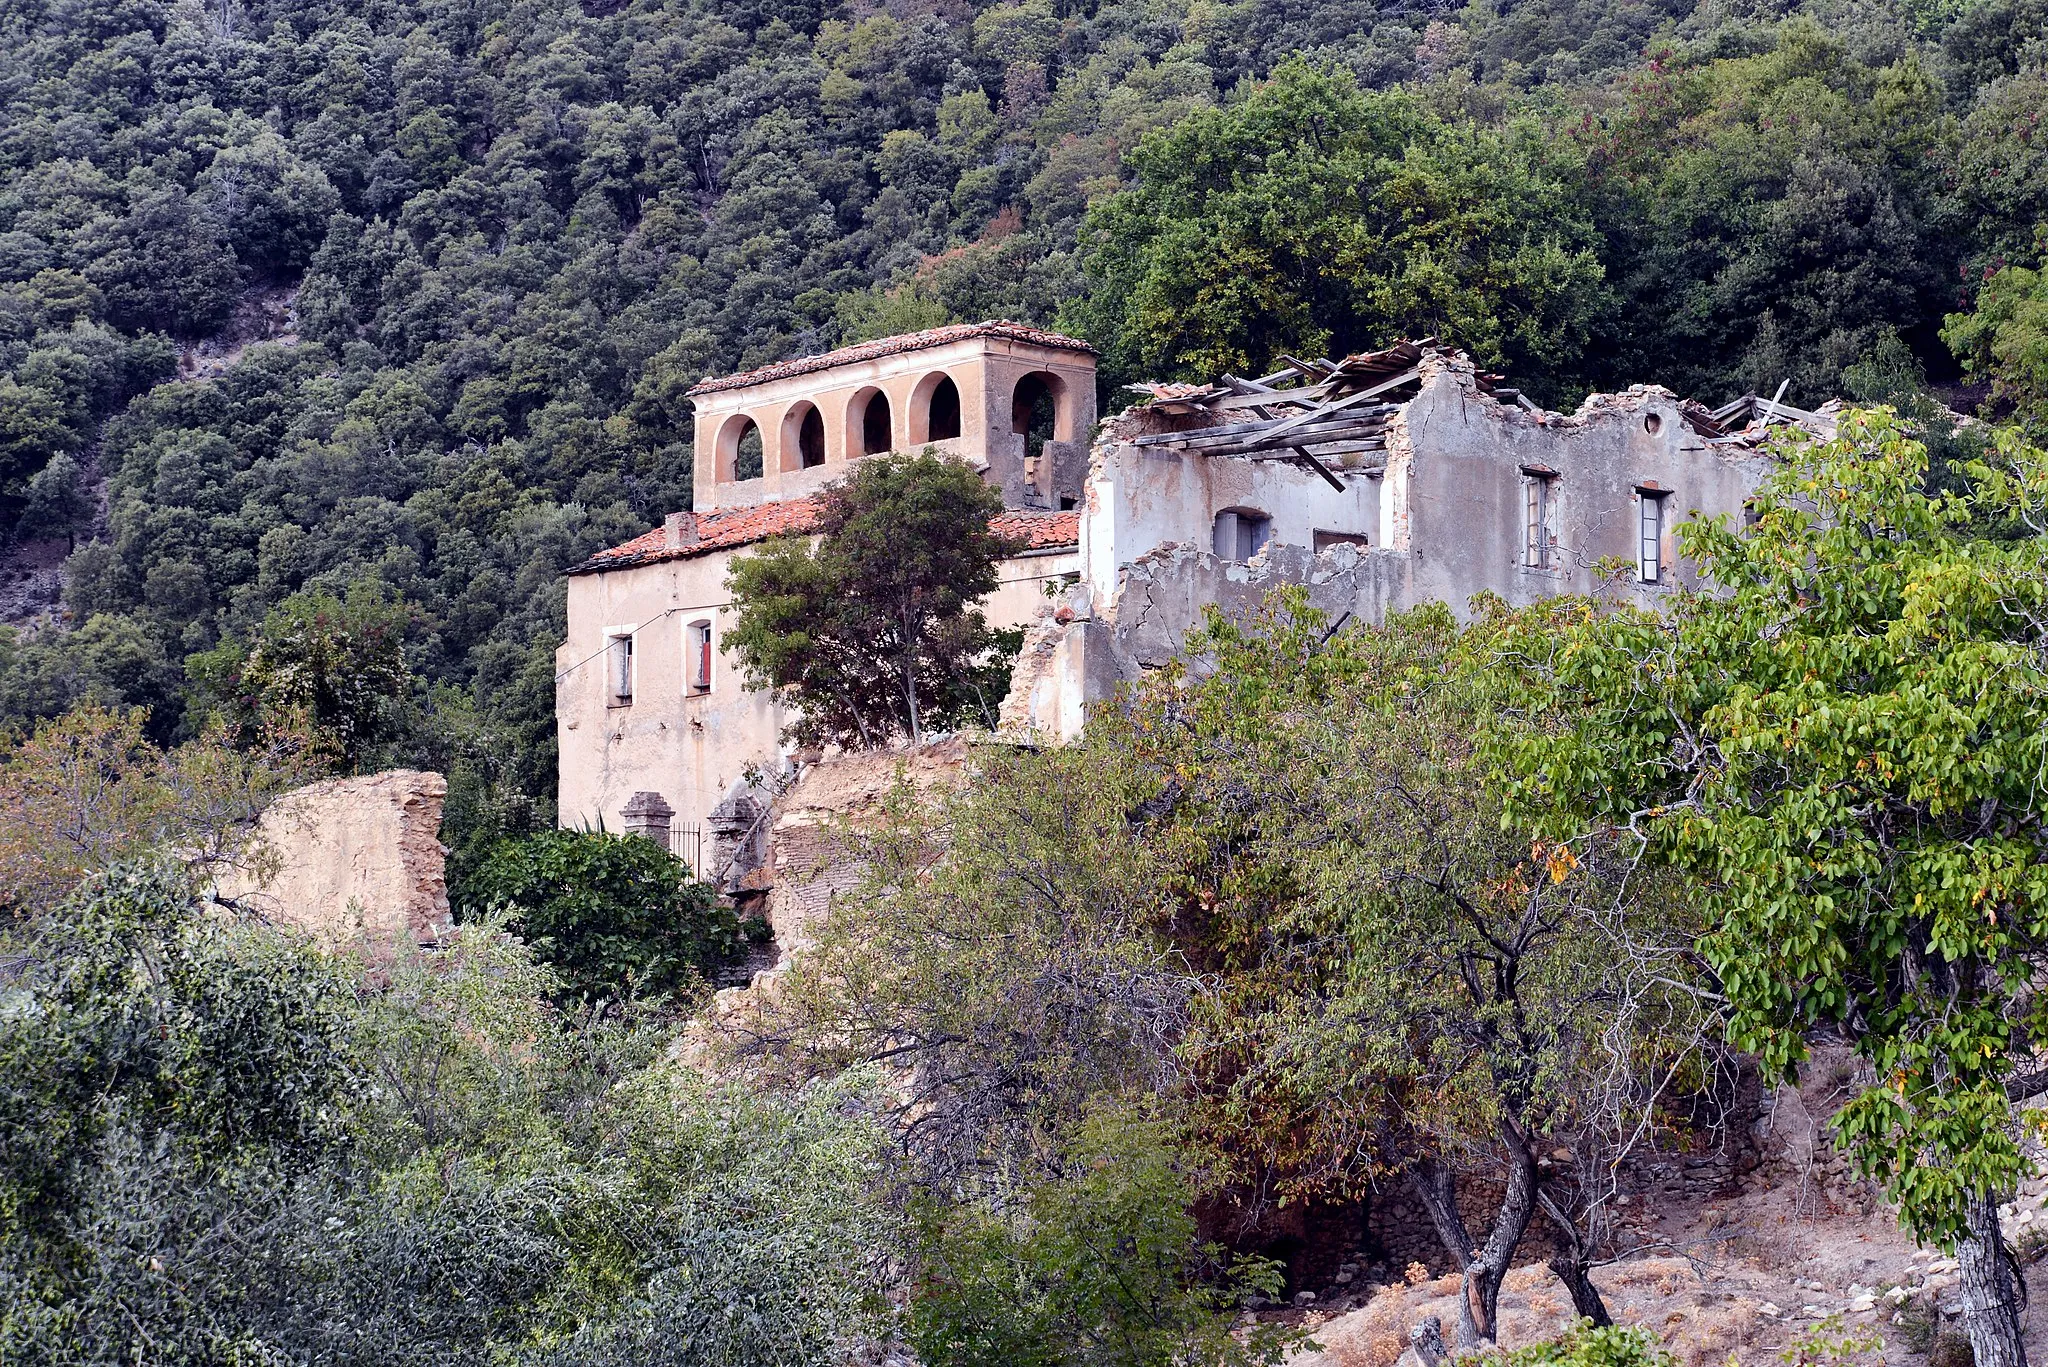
x=32 y=581
x=1797 y=1246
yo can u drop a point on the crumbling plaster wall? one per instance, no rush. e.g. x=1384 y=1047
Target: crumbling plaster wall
x=1459 y=457
x=358 y=862
x=1446 y=513
x=1142 y=498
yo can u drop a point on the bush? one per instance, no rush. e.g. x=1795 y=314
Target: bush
x=1587 y=1346
x=616 y=915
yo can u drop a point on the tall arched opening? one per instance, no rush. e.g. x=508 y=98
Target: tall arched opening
x=739 y=449
x=1035 y=411
x=934 y=410
x=869 y=429
x=803 y=437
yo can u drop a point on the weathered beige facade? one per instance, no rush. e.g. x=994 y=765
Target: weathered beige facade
x=1461 y=490
x=665 y=713
x=358 y=862
x=1403 y=477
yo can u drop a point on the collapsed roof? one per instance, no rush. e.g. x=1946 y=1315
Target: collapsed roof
x=1332 y=416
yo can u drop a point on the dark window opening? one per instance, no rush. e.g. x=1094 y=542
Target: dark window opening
x=875 y=433
x=945 y=412
x=1032 y=414
x=810 y=439
x=746 y=460
x=700 y=657
x=1241 y=534
x=1068 y=503
x=1324 y=540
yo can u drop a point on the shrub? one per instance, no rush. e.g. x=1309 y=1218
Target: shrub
x=615 y=915
x=1584 y=1345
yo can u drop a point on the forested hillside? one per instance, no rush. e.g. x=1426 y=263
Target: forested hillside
x=519 y=230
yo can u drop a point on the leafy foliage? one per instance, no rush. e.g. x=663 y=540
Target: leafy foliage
x=1316 y=218
x=89 y=790
x=1841 y=743
x=612 y=914
x=1283 y=894
x=1586 y=1345
x=217 y=1146
x=2005 y=340
x=334 y=668
x=1097 y=1263
x=875 y=632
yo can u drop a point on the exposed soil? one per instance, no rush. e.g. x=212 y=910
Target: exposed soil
x=1740 y=1273
x=32 y=581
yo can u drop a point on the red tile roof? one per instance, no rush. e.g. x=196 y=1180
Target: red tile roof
x=732 y=527
x=1038 y=531
x=892 y=346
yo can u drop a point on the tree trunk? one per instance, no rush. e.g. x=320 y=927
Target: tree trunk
x=1572 y=1264
x=910 y=697
x=1438 y=1189
x=1484 y=1274
x=1990 y=1287
x=1485 y=1267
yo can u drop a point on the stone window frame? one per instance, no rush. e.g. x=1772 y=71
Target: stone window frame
x=700 y=657
x=621 y=666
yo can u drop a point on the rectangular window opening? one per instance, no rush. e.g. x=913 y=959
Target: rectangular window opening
x=620 y=654
x=1650 y=549
x=698 y=642
x=1539 y=539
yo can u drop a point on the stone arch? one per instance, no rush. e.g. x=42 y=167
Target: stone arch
x=870 y=428
x=1041 y=410
x=934 y=409
x=803 y=436
x=739 y=449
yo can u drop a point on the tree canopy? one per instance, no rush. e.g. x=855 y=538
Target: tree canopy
x=876 y=632
x=1842 y=741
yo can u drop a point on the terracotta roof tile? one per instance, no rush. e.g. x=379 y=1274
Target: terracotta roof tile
x=892 y=346
x=731 y=527
x=1038 y=531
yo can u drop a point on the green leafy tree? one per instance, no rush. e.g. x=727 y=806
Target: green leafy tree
x=1840 y=742
x=216 y=1142
x=2005 y=340
x=1766 y=217
x=1313 y=217
x=1096 y=1262
x=31 y=431
x=615 y=915
x=332 y=667
x=1283 y=895
x=876 y=631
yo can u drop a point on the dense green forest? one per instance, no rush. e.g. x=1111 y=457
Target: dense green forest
x=519 y=230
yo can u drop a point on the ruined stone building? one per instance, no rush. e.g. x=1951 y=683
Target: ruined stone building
x=1382 y=482
x=657 y=732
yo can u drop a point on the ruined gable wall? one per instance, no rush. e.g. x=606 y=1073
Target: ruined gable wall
x=1447 y=514
x=1466 y=488
x=359 y=862
x=1143 y=498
